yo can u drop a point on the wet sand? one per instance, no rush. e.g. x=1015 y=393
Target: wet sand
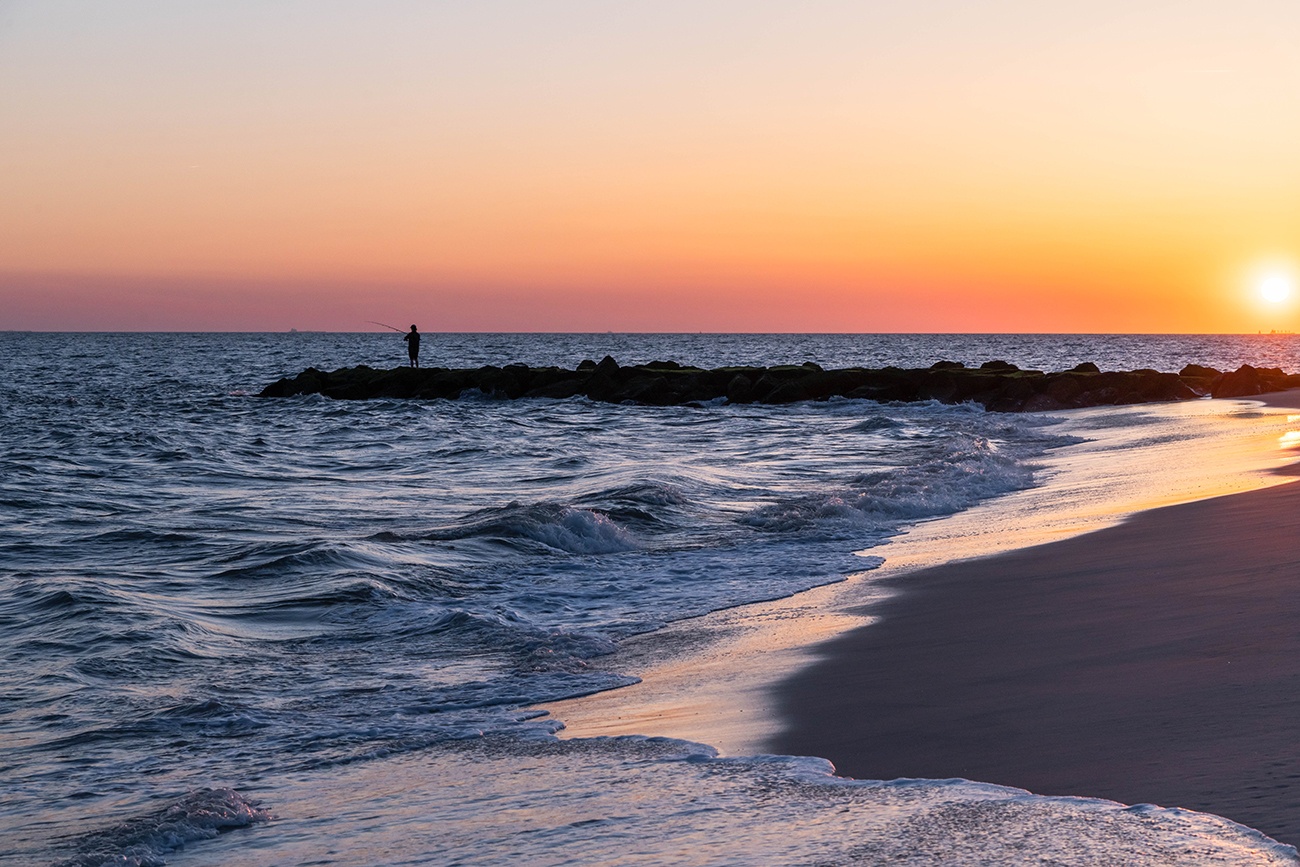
x=1155 y=661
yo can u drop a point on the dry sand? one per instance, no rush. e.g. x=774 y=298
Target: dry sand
x=1155 y=661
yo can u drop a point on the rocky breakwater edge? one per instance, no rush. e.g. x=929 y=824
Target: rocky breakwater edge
x=996 y=385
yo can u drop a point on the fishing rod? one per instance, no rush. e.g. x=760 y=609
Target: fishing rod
x=398 y=330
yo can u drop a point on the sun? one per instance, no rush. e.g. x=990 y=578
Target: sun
x=1275 y=287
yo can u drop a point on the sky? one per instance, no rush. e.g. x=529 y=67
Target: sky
x=822 y=165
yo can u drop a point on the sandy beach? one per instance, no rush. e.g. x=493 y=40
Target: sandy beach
x=1156 y=661
x=718 y=678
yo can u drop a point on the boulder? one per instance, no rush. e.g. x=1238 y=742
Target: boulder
x=558 y=389
x=1245 y=381
x=740 y=389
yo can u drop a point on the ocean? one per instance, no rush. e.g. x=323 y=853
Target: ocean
x=300 y=631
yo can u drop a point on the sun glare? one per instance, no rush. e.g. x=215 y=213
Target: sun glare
x=1275 y=287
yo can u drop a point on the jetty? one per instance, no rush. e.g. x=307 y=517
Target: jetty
x=996 y=385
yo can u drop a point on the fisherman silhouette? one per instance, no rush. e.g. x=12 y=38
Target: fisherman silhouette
x=412 y=339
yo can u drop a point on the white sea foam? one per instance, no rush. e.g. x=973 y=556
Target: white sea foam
x=665 y=802
x=143 y=841
x=579 y=531
x=559 y=527
x=967 y=470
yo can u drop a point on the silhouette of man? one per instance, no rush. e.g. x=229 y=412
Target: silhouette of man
x=412 y=339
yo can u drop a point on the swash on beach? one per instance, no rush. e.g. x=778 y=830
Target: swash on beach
x=304 y=631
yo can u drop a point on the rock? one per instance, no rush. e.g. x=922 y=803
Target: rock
x=310 y=381
x=1064 y=388
x=998 y=366
x=603 y=387
x=947 y=365
x=740 y=389
x=1152 y=386
x=649 y=390
x=1245 y=381
x=1085 y=367
x=765 y=385
x=1044 y=403
x=559 y=390
x=1199 y=371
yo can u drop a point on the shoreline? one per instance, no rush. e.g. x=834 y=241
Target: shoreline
x=1144 y=663
x=1155 y=661
x=722 y=678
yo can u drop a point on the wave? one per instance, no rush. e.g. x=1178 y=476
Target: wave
x=143 y=841
x=276 y=559
x=876 y=422
x=970 y=469
x=550 y=526
x=647 y=492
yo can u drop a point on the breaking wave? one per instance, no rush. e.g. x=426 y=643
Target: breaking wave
x=143 y=841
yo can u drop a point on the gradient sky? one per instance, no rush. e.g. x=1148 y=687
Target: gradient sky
x=932 y=165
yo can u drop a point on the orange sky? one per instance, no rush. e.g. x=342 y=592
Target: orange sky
x=757 y=166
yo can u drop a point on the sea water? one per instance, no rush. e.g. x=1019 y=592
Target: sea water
x=304 y=631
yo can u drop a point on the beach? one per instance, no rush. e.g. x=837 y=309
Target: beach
x=312 y=631
x=1157 y=661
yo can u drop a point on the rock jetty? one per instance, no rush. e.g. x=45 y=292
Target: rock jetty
x=997 y=385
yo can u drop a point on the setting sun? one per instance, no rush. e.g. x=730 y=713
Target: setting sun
x=1275 y=287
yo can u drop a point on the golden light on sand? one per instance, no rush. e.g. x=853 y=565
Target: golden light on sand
x=1290 y=439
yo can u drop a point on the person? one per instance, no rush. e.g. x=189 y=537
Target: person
x=412 y=339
